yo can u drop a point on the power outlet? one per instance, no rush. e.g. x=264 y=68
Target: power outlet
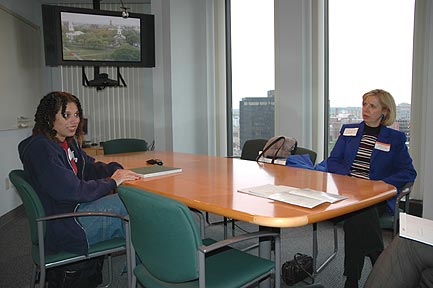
x=8 y=184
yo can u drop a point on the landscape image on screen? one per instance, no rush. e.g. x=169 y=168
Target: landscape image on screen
x=100 y=38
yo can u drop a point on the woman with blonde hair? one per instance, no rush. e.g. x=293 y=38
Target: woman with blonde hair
x=370 y=150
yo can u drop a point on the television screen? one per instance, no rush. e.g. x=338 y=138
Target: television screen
x=86 y=37
x=100 y=37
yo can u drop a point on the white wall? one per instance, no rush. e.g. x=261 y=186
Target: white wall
x=9 y=140
x=9 y=199
x=188 y=63
x=422 y=105
x=293 y=70
x=162 y=98
x=185 y=82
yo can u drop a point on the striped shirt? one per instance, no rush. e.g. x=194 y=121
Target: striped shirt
x=361 y=165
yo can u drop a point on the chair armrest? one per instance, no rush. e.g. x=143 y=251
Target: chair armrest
x=41 y=228
x=405 y=191
x=83 y=214
x=407 y=188
x=237 y=239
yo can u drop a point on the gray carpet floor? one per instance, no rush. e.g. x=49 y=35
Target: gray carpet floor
x=16 y=263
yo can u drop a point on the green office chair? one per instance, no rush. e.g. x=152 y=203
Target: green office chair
x=390 y=222
x=124 y=145
x=166 y=240
x=36 y=215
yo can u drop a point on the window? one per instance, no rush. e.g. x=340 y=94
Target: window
x=251 y=43
x=370 y=46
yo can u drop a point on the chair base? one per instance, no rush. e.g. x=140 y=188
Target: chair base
x=316 y=270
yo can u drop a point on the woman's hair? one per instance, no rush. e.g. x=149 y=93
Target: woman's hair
x=47 y=109
x=387 y=102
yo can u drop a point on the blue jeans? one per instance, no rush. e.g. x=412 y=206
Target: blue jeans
x=100 y=228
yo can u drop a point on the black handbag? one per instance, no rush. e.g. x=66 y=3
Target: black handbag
x=297 y=269
x=83 y=274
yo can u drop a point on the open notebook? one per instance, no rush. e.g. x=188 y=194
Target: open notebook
x=304 y=197
x=156 y=170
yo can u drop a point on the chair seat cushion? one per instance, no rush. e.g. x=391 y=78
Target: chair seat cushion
x=230 y=268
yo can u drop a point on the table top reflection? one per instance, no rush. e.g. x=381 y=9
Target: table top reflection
x=211 y=184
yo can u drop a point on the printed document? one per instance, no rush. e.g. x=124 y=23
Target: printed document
x=304 y=197
x=416 y=228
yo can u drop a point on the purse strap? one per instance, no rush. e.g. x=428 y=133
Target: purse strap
x=267 y=147
x=302 y=267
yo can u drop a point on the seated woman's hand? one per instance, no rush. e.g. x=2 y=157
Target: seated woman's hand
x=122 y=175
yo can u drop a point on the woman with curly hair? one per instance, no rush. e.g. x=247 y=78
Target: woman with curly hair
x=67 y=179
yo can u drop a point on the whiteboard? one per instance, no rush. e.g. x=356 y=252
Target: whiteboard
x=20 y=69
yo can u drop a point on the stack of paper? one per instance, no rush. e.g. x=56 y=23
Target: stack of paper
x=304 y=197
x=416 y=228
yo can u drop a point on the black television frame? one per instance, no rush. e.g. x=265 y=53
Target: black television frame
x=53 y=37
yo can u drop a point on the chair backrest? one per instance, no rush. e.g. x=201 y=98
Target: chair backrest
x=32 y=203
x=301 y=150
x=124 y=145
x=251 y=148
x=163 y=233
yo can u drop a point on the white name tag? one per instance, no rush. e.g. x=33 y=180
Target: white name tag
x=382 y=146
x=350 y=131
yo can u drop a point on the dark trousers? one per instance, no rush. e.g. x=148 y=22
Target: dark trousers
x=362 y=236
x=404 y=263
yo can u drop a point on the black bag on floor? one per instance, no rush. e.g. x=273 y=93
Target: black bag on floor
x=297 y=269
x=83 y=274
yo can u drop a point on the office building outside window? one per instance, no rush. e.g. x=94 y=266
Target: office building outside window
x=252 y=71
x=256 y=118
x=370 y=47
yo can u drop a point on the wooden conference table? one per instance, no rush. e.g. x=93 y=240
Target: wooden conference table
x=211 y=184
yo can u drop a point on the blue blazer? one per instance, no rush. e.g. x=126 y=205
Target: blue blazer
x=390 y=162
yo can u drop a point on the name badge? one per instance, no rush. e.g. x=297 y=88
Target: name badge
x=382 y=146
x=350 y=131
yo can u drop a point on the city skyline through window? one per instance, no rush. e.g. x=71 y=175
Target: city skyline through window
x=370 y=47
x=253 y=70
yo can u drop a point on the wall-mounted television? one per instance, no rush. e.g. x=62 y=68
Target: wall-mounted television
x=88 y=37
